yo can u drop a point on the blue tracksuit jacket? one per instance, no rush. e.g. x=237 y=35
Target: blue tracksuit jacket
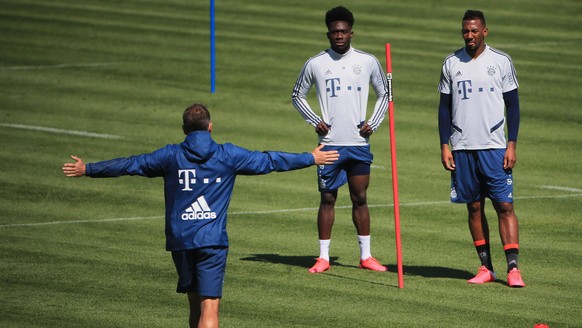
x=199 y=176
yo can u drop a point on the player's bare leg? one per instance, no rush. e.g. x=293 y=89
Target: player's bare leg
x=203 y=311
x=326 y=214
x=478 y=225
x=509 y=231
x=508 y=225
x=209 y=316
x=479 y=228
x=358 y=185
x=360 y=213
x=325 y=220
x=194 y=301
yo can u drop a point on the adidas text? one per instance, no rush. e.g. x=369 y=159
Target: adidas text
x=198 y=216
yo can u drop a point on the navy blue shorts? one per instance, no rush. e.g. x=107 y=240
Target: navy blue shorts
x=201 y=270
x=479 y=174
x=353 y=160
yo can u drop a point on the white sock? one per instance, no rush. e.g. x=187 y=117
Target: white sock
x=324 y=249
x=364 y=242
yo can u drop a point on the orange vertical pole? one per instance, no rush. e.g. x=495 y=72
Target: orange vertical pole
x=394 y=168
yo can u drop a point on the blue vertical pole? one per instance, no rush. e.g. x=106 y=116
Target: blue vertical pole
x=212 y=50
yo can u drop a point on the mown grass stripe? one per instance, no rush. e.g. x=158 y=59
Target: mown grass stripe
x=286 y=210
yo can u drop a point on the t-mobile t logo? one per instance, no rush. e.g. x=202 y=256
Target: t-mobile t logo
x=464 y=88
x=332 y=85
x=187 y=178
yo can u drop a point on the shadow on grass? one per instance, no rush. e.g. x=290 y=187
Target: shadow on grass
x=306 y=262
x=300 y=261
x=433 y=272
x=413 y=270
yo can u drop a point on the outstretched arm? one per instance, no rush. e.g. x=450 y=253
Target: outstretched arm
x=76 y=169
x=324 y=157
x=255 y=162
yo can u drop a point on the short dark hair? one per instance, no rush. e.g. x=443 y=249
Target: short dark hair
x=195 y=118
x=474 y=14
x=339 y=13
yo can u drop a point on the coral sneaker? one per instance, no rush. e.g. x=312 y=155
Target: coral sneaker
x=514 y=278
x=320 y=266
x=372 y=264
x=484 y=275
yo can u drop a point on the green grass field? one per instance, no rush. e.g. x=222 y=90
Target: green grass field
x=111 y=78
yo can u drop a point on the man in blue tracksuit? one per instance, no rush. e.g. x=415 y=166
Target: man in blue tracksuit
x=199 y=177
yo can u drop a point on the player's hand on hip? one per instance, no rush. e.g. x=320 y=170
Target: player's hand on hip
x=447 y=158
x=76 y=169
x=365 y=130
x=322 y=128
x=322 y=157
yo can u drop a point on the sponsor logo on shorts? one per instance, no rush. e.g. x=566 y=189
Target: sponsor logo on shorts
x=453 y=193
x=322 y=183
x=199 y=210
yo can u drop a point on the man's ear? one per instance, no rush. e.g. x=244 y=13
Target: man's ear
x=210 y=127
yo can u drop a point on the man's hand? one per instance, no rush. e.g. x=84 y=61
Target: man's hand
x=447 y=158
x=510 y=157
x=322 y=128
x=366 y=130
x=324 y=157
x=76 y=169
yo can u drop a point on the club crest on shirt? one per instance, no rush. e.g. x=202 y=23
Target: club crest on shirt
x=357 y=69
x=491 y=70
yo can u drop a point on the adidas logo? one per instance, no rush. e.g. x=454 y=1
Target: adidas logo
x=328 y=72
x=458 y=73
x=199 y=210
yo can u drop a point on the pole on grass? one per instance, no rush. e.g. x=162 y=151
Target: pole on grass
x=212 y=50
x=394 y=170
